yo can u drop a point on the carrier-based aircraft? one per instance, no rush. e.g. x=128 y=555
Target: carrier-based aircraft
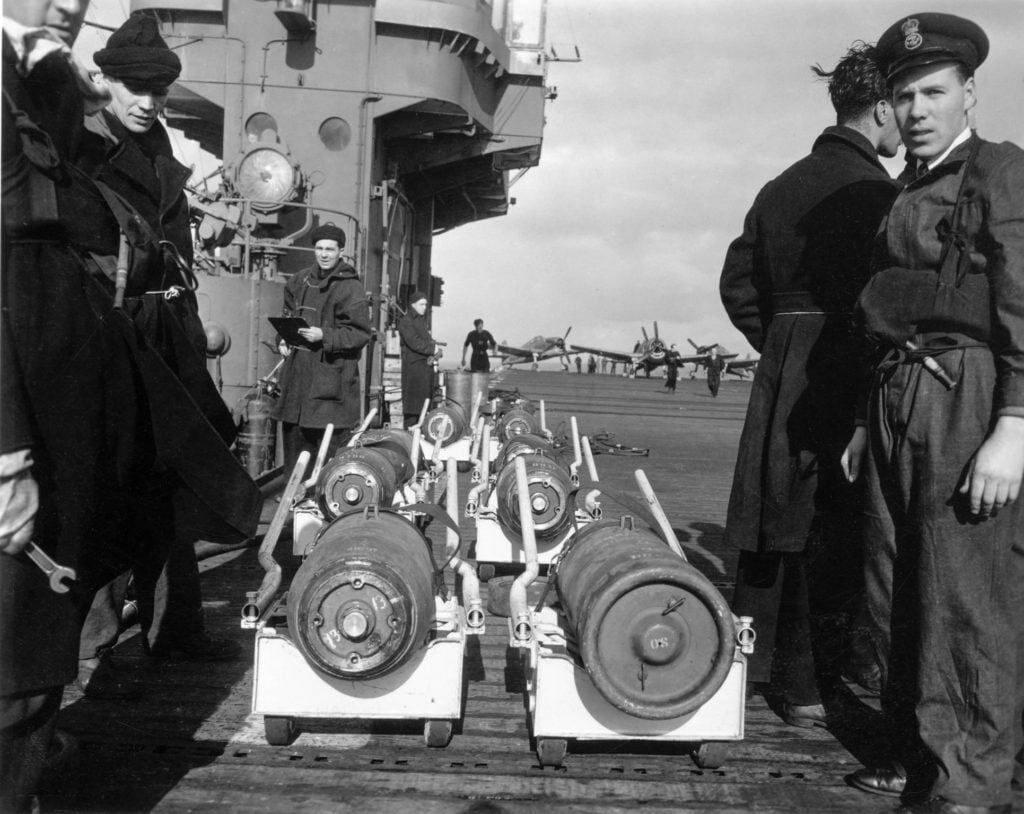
x=647 y=354
x=536 y=350
x=727 y=362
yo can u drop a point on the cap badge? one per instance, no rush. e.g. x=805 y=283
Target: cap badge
x=912 y=37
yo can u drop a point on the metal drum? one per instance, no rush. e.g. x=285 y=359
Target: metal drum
x=655 y=635
x=355 y=478
x=462 y=388
x=363 y=601
x=549 y=485
x=445 y=425
x=396 y=444
x=517 y=421
x=525 y=444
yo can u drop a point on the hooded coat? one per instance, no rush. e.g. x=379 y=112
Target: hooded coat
x=320 y=384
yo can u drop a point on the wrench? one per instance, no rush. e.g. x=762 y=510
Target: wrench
x=56 y=572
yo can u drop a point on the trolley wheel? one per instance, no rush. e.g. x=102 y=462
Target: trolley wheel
x=485 y=570
x=437 y=733
x=278 y=731
x=551 y=751
x=710 y=754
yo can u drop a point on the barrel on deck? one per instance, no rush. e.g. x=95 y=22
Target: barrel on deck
x=362 y=603
x=655 y=636
x=463 y=387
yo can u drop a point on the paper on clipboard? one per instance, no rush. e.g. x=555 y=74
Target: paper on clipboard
x=288 y=329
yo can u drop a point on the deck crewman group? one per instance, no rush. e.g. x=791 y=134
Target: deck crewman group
x=884 y=441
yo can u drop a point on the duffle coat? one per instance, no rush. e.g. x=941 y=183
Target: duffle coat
x=789 y=284
x=417 y=348
x=320 y=385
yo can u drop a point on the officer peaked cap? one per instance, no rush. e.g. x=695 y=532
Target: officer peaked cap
x=328 y=232
x=930 y=37
x=137 y=53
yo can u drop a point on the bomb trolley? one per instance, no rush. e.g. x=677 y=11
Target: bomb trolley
x=365 y=630
x=641 y=647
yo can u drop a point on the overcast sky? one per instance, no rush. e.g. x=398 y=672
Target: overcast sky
x=658 y=142
x=680 y=111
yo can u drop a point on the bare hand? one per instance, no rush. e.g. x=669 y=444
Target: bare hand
x=284 y=349
x=994 y=473
x=313 y=334
x=853 y=455
x=19 y=501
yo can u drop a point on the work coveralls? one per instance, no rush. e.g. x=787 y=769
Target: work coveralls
x=956 y=581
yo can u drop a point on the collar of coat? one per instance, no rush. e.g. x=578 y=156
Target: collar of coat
x=342 y=271
x=841 y=134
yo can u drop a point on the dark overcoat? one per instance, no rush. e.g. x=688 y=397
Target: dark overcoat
x=320 y=384
x=789 y=283
x=220 y=500
x=69 y=383
x=417 y=348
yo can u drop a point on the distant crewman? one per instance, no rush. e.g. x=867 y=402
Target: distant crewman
x=579 y=364
x=945 y=432
x=671 y=374
x=419 y=350
x=591 y=365
x=320 y=377
x=480 y=341
x=789 y=284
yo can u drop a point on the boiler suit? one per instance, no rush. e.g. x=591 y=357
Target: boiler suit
x=956 y=581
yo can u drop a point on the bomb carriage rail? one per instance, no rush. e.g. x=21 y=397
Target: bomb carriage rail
x=640 y=646
x=367 y=629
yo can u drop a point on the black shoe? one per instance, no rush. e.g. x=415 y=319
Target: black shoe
x=889 y=780
x=201 y=647
x=102 y=679
x=939 y=805
x=804 y=716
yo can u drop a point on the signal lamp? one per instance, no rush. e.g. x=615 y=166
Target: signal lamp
x=267 y=176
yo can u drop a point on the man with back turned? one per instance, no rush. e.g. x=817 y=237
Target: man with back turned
x=789 y=284
x=945 y=421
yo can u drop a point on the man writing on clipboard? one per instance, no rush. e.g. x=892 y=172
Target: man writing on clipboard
x=320 y=377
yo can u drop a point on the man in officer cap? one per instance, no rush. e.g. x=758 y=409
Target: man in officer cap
x=945 y=421
x=142 y=209
x=320 y=378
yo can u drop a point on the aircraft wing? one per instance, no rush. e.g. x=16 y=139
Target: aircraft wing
x=519 y=353
x=619 y=356
x=701 y=358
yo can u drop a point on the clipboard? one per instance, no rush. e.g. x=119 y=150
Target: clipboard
x=288 y=329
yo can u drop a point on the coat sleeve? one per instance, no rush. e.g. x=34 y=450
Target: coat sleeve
x=418 y=341
x=738 y=284
x=350 y=323
x=1004 y=225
